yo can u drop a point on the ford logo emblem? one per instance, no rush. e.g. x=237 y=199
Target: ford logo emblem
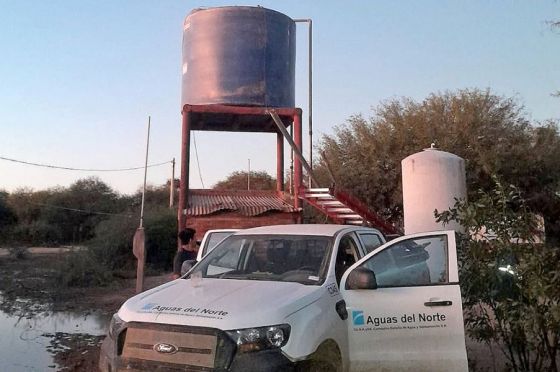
x=165 y=348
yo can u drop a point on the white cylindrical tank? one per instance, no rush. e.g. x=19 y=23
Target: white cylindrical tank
x=432 y=179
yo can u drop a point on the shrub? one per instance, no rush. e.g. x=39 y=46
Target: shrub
x=110 y=254
x=161 y=238
x=509 y=281
x=112 y=245
x=35 y=233
x=82 y=269
x=18 y=252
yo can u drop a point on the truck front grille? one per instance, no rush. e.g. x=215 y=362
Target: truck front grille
x=175 y=347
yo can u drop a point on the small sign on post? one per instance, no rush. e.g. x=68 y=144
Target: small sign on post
x=139 y=250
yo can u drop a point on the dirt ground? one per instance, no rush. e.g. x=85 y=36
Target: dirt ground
x=33 y=279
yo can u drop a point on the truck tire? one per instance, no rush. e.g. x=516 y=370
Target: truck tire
x=326 y=358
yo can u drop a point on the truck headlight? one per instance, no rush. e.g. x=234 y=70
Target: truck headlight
x=255 y=339
x=116 y=326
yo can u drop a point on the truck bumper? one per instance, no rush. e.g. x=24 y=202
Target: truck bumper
x=261 y=361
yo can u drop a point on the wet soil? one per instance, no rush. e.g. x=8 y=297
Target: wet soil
x=28 y=287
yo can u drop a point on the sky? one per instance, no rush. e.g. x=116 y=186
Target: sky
x=78 y=79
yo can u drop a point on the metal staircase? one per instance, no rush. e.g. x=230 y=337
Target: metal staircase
x=344 y=209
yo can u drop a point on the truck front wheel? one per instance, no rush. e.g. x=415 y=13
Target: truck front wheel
x=326 y=358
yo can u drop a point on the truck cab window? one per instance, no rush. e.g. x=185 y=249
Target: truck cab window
x=370 y=241
x=346 y=256
x=411 y=262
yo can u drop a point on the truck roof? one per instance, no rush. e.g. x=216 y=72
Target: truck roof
x=302 y=229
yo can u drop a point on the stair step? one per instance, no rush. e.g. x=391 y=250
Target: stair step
x=316 y=190
x=340 y=210
x=319 y=196
x=333 y=207
x=330 y=203
x=350 y=216
x=355 y=222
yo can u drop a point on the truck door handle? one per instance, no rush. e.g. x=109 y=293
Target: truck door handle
x=438 y=303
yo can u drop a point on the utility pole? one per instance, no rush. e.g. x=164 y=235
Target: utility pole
x=145 y=175
x=172 y=185
x=139 y=240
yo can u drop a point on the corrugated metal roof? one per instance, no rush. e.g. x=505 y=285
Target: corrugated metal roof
x=247 y=203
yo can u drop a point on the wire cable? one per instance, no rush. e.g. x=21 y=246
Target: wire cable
x=197 y=162
x=82 y=169
x=81 y=210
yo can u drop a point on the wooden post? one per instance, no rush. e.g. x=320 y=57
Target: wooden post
x=185 y=159
x=139 y=250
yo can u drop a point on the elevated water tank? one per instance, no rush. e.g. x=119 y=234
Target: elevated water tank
x=239 y=55
x=432 y=179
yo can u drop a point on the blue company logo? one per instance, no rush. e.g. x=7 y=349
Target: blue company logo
x=358 y=317
x=148 y=306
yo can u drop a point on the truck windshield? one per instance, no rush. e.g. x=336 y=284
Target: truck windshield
x=291 y=258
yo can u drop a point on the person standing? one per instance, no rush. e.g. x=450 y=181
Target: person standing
x=188 y=250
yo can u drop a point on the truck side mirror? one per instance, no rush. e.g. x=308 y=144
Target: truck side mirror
x=186 y=266
x=361 y=278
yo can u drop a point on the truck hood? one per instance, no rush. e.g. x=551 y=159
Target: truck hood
x=220 y=303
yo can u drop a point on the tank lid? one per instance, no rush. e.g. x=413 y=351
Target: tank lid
x=434 y=150
x=233 y=7
x=431 y=153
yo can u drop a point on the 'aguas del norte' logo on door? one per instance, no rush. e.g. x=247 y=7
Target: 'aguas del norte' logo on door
x=364 y=322
x=358 y=317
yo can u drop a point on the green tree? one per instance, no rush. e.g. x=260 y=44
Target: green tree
x=7 y=217
x=490 y=132
x=83 y=196
x=112 y=244
x=156 y=195
x=62 y=215
x=238 y=181
x=29 y=207
x=509 y=281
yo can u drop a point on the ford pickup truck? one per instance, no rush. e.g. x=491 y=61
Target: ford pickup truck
x=301 y=297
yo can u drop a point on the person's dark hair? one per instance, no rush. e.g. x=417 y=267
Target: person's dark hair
x=186 y=235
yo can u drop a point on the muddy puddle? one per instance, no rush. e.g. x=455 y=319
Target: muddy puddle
x=34 y=338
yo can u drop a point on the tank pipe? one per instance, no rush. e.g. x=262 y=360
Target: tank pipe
x=291 y=163
x=310 y=88
x=297 y=151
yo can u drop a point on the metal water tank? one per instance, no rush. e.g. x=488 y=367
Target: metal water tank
x=432 y=179
x=239 y=55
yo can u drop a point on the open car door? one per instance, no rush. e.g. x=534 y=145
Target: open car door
x=404 y=306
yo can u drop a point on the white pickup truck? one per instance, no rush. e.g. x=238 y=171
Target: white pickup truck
x=301 y=297
x=211 y=239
